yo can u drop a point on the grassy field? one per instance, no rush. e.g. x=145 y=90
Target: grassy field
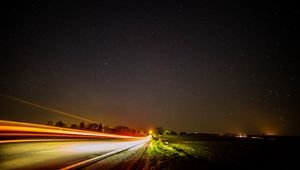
x=194 y=152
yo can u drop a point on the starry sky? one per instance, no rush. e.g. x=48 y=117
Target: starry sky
x=210 y=66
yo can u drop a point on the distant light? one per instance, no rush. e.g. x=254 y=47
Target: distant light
x=242 y=135
x=150 y=132
x=257 y=137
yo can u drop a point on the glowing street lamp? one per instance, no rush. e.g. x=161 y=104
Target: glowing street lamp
x=150 y=132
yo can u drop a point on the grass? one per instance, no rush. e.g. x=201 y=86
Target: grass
x=161 y=154
x=157 y=148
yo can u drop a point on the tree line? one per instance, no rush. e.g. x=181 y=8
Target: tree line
x=122 y=130
x=91 y=126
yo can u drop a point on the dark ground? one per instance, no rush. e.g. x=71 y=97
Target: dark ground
x=198 y=152
x=207 y=152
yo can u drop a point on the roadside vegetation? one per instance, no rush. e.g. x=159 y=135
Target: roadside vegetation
x=161 y=154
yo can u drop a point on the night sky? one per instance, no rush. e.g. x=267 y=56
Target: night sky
x=210 y=66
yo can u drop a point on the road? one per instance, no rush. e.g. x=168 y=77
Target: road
x=66 y=153
x=56 y=154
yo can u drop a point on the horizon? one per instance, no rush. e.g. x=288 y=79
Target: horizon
x=71 y=118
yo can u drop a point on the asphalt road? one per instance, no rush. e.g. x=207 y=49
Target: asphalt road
x=58 y=153
x=129 y=159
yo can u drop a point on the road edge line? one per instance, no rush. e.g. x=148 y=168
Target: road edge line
x=98 y=158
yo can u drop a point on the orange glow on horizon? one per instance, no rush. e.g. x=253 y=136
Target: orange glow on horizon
x=270 y=132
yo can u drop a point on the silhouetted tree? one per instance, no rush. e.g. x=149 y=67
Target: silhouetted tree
x=60 y=124
x=82 y=125
x=74 y=126
x=173 y=132
x=108 y=129
x=159 y=130
x=167 y=132
x=50 y=123
x=122 y=129
x=100 y=127
x=182 y=133
x=92 y=126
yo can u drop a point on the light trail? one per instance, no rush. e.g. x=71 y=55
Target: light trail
x=46 y=108
x=61 y=153
x=121 y=147
x=9 y=128
x=28 y=140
